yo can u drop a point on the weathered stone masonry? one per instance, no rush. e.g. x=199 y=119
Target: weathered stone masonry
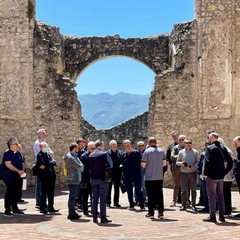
x=196 y=87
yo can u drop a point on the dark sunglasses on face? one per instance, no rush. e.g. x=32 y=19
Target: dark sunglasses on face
x=188 y=142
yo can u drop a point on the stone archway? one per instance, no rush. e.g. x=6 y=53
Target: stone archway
x=82 y=51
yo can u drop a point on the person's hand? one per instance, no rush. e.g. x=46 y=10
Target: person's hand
x=42 y=167
x=20 y=172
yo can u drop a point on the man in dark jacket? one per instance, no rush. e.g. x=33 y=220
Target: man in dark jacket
x=115 y=155
x=97 y=162
x=86 y=187
x=216 y=156
x=131 y=161
x=47 y=177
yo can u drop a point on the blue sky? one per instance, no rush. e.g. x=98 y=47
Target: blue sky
x=128 y=18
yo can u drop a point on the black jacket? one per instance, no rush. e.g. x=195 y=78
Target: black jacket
x=49 y=163
x=218 y=162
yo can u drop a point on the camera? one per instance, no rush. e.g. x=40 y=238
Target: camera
x=185 y=164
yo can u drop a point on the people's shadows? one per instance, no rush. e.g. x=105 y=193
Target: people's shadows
x=80 y=220
x=164 y=220
x=169 y=209
x=226 y=224
x=109 y=225
x=25 y=219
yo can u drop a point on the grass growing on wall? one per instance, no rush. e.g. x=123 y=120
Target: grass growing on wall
x=30 y=10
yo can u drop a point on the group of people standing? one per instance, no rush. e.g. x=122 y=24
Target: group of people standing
x=216 y=167
x=88 y=168
x=140 y=171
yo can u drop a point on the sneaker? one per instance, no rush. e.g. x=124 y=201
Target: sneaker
x=18 y=212
x=173 y=204
x=151 y=216
x=43 y=211
x=237 y=215
x=221 y=218
x=108 y=205
x=8 y=214
x=210 y=219
x=160 y=216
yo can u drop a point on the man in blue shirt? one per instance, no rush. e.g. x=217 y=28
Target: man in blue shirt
x=12 y=177
x=153 y=161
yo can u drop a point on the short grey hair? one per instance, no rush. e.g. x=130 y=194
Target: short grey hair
x=112 y=142
x=126 y=141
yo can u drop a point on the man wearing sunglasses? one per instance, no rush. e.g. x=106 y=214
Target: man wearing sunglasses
x=188 y=162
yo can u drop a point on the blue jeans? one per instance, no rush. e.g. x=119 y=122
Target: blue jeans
x=72 y=198
x=99 y=190
x=137 y=182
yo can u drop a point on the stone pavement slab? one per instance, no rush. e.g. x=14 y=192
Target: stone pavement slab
x=126 y=225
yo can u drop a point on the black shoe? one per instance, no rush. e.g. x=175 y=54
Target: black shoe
x=73 y=217
x=221 y=218
x=95 y=220
x=117 y=205
x=204 y=210
x=183 y=209
x=53 y=210
x=18 y=212
x=160 y=216
x=21 y=201
x=37 y=206
x=106 y=220
x=43 y=211
x=108 y=205
x=237 y=215
x=149 y=215
x=210 y=219
x=8 y=214
x=199 y=204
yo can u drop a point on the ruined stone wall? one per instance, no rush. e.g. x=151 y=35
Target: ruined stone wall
x=135 y=129
x=80 y=52
x=16 y=72
x=55 y=101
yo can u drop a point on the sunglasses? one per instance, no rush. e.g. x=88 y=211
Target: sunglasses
x=188 y=142
x=181 y=139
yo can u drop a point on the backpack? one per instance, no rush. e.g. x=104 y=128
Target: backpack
x=3 y=171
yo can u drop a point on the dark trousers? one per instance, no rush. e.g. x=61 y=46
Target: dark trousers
x=72 y=198
x=116 y=183
x=227 y=197
x=155 y=195
x=47 y=192
x=19 y=189
x=86 y=192
x=238 y=184
x=11 y=195
x=99 y=190
x=189 y=181
x=136 y=182
x=203 y=189
x=215 y=191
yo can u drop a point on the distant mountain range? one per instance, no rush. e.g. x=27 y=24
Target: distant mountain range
x=105 y=111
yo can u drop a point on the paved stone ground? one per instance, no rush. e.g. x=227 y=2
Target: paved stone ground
x=132 y=225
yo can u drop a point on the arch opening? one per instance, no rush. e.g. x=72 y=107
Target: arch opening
x=113 y=90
